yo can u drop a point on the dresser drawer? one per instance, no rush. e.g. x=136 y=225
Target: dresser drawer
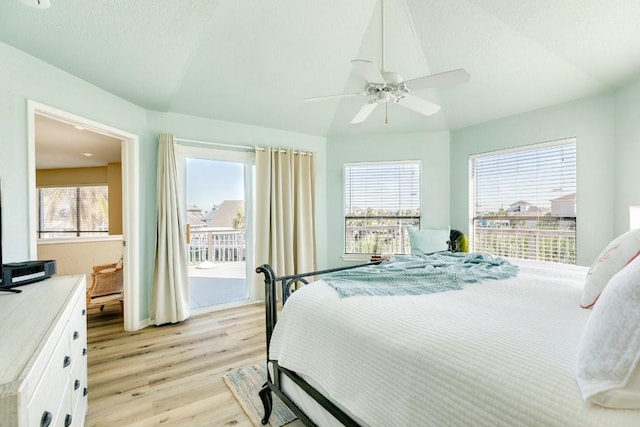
x=62 y=417
x=65 y=414
x=78 y=327
x=80 y=399
x=78 y=380
x=53 y=384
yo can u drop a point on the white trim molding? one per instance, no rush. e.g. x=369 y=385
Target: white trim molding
x=130 y=200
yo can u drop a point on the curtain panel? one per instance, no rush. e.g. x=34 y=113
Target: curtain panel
x=170 y=293
x=285 y=212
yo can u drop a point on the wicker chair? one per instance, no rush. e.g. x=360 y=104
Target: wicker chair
x=106 y=286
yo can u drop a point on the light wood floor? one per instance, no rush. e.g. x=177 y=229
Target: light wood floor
x=170 y=375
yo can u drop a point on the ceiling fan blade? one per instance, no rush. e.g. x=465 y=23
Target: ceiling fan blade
x=341 y=95
x=369 y=71
x=437 y=80
x=364 y=112
x=418 y=104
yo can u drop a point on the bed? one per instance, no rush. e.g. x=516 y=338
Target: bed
x=495 y=352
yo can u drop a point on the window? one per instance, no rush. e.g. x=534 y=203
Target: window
x=73 y=211
x=524 y=202
x=381 y=201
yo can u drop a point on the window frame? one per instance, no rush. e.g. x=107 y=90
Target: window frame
x=560 y=220
x=415 y=218
x=77 y=233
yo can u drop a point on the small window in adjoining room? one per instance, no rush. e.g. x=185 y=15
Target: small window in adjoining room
x=65 y=212
x=382 y=200
x=523 y=202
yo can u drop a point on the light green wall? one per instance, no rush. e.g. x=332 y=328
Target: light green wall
x=627 y=160
x=591 y=121
x=431 y=148
x=24 y=78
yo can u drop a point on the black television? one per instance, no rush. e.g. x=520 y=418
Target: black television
x=22 y=273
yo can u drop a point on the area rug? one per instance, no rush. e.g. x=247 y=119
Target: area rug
x=245 y=383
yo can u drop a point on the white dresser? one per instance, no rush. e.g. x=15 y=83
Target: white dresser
x=43 y=354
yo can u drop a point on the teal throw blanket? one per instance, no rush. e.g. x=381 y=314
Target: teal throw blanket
x=420 y=274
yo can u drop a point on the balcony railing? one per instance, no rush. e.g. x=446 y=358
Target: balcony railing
x=363 y=238
x=544 y=238
x=217 y=245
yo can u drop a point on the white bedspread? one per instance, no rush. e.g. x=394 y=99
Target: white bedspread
x=499 y=353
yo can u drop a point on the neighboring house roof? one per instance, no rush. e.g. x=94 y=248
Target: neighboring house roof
x=571 y=196
x=194 y=220
x=224 y=214
x=522 y=206
x=209 y=215
x=519 y=203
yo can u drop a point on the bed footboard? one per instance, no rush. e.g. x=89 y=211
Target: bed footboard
x=287 y=284
x=287 y=287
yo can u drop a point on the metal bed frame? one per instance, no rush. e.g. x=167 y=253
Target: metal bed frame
x=274 y=383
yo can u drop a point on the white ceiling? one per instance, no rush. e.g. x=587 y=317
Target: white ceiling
x=253 y=61
x=63 y=145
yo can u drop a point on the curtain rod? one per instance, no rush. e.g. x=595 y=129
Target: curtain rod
x=218 y=144
x=241 y=147
x=280 y=150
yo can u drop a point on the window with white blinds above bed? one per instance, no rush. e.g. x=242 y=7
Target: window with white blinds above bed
x=382 y=199
x=523 y=202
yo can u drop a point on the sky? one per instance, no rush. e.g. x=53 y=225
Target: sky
x=211 y=182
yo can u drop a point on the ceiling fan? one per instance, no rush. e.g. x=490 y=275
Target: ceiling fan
x=383 y=86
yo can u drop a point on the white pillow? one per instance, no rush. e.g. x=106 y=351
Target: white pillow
x=427 y=241
x=608 y=362
x=613 y=258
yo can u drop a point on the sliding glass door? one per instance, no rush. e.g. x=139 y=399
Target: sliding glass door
x=218 y=193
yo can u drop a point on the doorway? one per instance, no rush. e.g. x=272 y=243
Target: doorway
x=127 y=145
x=218 y=193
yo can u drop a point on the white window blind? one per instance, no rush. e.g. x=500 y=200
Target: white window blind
x=524 y=202
x=73 y=211
x=381 y=201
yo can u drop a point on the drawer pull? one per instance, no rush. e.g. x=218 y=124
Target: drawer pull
x=84 y=311
x=66 y=362
x=84 y=351
x=76 y=384
x=67 y=420
x=76 y=335
x=85 y=391
x=46 y=419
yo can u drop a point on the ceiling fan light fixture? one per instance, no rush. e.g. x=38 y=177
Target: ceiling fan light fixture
x=38 y=4
x=385 y=86
x=383 y=96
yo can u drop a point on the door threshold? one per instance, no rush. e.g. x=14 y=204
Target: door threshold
x=224 y=306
